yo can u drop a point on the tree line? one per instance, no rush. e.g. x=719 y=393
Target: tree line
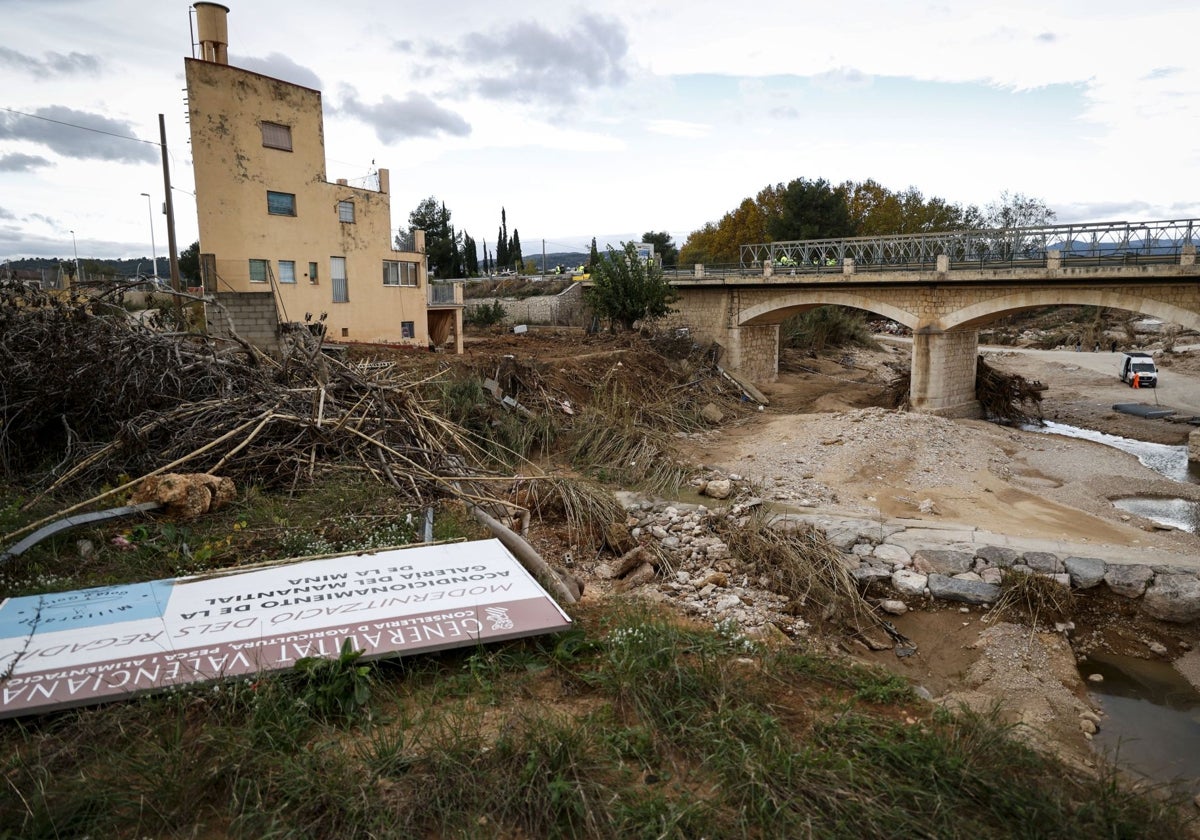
x=817 y=209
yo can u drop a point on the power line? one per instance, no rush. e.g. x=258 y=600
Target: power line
x=82 y=127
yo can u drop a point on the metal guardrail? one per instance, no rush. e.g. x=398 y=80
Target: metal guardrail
x=1098 y=243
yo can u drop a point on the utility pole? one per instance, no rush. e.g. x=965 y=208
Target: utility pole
x=153 y=251
x=176 y=284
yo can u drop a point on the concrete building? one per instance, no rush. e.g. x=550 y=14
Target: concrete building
x=271 y=222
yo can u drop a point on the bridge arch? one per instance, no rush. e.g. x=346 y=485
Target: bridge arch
x=769 y=311
x=983 y=312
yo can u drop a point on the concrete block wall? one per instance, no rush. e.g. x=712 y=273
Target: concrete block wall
x=253 y=315
x=566 y=309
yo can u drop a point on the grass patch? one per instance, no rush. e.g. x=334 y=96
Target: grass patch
x=629 y=725
x=626 y=438
x=1032 y=597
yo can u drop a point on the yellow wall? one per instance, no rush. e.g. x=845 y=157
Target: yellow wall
x=233 y=173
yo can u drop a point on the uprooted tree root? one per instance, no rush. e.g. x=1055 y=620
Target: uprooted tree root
x=1004 y=397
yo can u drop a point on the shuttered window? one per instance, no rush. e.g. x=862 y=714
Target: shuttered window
x=337 y=276
x=276 y=136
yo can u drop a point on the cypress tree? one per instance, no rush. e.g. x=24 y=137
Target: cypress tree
x=514 y=252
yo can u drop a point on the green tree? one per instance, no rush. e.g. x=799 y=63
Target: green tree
x=470 y=253
x=663 y=247
x=811 y=210
x=502 y=241
x=593 y=257
x=515 y=259
x=441 y=242
x=189 y=264
x=626 y=288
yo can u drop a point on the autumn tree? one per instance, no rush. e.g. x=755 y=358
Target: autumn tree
x=879 y=211
x=721 y=242
x=626 y=288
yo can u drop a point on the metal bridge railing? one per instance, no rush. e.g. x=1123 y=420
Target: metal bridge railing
x=1097 y=243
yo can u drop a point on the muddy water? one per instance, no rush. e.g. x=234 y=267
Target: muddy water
x=1170 y=461
x=1151 y=720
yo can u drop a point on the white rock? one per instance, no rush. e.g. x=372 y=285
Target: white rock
x=893 y=607
x=909 y=582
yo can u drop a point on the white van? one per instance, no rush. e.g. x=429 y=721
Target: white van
x=1140 y=365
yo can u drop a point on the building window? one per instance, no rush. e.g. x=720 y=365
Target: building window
x=397 y=273
x=346 y=211
x=276 y=136
x=281 y=204
x=312 y=273
x=258 y=271
x=287 y=271
x=408 y=329
x=337 y=276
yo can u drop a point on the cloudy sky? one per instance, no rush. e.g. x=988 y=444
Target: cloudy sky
x=617 y=117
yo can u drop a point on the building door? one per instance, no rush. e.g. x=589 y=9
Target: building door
x=337 y=274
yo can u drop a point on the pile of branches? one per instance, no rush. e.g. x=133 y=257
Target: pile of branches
x=1005 y=397
x=89 y=395
x=75 y=369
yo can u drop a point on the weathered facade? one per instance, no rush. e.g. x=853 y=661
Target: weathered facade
x=270 y=221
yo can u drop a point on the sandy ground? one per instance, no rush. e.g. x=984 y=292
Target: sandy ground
x=823 y=443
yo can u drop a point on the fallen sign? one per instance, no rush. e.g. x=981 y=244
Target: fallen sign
x=113 y=642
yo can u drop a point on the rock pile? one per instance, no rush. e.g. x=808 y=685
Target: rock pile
x=682 y=560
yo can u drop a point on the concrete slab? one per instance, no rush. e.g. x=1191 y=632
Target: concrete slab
x=1150 y=412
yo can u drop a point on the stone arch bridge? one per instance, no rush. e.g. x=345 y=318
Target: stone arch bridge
x=943 y=302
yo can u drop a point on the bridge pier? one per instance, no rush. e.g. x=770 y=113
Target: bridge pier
x=752 y=351
x=943 y=373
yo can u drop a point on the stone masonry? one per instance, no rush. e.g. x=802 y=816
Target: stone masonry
x=944 y=310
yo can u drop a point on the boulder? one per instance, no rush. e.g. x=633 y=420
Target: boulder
x=711 y=413
x=865 y=575
x=892 y=606
x=965 y=591
x=718 y=488
x=1042 y=561
x=894 y=554
x=942 y=562
x=1085 y=572
x=1174 y=598
x=998 y=555
x=1128 y=580
x=909 y=582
